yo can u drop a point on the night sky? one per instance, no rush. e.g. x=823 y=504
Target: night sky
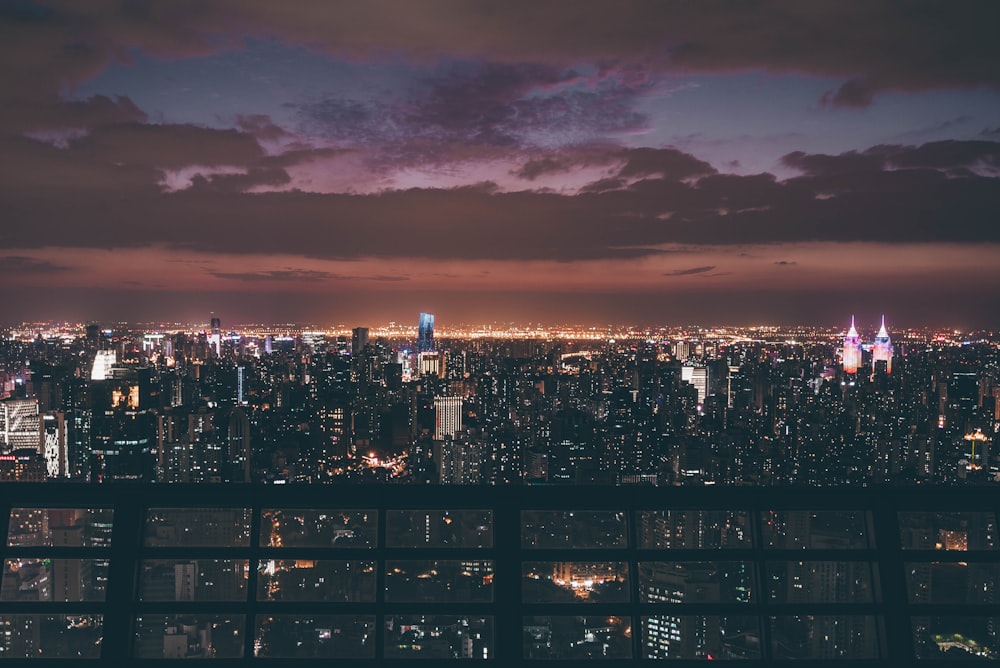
x=555 y=161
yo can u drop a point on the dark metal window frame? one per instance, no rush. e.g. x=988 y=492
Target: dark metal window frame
x=130 y=503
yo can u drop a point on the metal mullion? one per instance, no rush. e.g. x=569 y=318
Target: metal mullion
x=381 y=523
x=508 y=644
x=250 y=601
x=127 y=529
x=760 y=601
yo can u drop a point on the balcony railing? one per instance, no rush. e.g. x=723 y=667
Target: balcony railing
x=243 y=574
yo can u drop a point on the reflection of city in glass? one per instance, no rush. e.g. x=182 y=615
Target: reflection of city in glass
x=193 y=580
x=819 y=581
x=189 y=636
x=574 y=529
x=689 y=529
x=439 y=528
x=46 y=579
x=198 y=527
x=569 y=581
x=315 y=637
x=318 y=528
x=65 y=527
x=958 y=638
x=51 y=636
x=701 y=637
x=577 y=637
x=315 y=580
x=823 y=529
x=439 y=580
x=964 y=530
x=825 y=637
x=438 y=637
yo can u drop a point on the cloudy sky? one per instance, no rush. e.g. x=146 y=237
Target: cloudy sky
x=560 y=161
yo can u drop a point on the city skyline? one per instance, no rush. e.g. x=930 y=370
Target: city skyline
x=645 y=163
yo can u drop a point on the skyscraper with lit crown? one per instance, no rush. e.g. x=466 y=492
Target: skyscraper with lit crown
x=425 y=333
x=852 y=349
x=882 y=350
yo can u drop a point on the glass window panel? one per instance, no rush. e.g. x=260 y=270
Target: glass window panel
x=919 y=530
x=315 y=637
x=575 y=581
x=819 y=581
x=439 y=528
x=694 y=529
x=316 y=580
x=958 y=582
x=695 y=581
x=44 y=579
x=438 y=637
x=51 y=636
x=710 y=637
x=193 y=580
x=956 y=638
x=198 y=527
x=578 y=637
x=825 y=637
x=195 y=636
x=439 y=580
x=816 y=530
x=60 y=527
x=576 y=529
x=318 y=528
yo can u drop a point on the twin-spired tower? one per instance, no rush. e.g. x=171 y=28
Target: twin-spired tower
x=881 y=349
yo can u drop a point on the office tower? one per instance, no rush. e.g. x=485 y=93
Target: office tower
x=852 y=349
x=20 y=425
x=425 y=333
x=698 y=377
x=215 y=338
x=103 y=362
x=359 y=340
x=882 y=350
x=448 y=416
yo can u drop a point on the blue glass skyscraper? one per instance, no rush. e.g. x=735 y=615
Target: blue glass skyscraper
x=425 y=333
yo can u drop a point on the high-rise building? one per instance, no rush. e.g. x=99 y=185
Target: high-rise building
x=852 y=349
x=882 y=350
x=448 y=416
x=20 y=425
x=359 y=340
x=425 y=333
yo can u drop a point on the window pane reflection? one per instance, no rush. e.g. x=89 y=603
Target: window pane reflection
x=316 y=580
x=60 y=527
x=710 y=637
x=695 y=581
x=578 y=637
x=193 y=580
x=575 y=581
x=956 y=638
x=198 y=527
x=694 y=529
x=958 y=582
x=819 y=581
x=315 y=637
x=439 y=528
x=44 y=579
x=51 y=636
x=947 y=531
x=816 y=530
x=576 y=529
x=824 y=637
x=318 y=528
x=439 y=580
x=196 y=636
x=438 y=637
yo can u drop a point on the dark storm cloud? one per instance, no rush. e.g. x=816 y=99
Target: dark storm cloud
x=470 y=106
x=634 y=162
x=690 y=272
x=299 y=275
x=785 y=263
x=887 y=193
x=871 y=46
x=20 y=264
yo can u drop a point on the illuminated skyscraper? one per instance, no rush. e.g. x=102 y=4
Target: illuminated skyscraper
x=852 y=349
x=425 y=333
x=882 y=350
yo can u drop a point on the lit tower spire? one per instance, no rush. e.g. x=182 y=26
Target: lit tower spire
x=882 y=350
x=852 y=349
